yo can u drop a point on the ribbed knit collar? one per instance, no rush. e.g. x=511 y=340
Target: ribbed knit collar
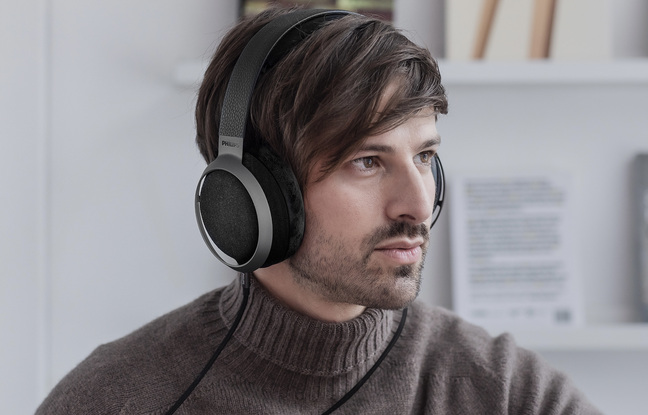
x=299 y=343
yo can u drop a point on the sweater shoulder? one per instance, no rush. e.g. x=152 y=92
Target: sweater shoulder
x=470 y=349
x=113 y=377
x=492 y=369
x=442 y=328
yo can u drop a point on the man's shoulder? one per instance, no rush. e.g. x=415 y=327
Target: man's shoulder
x=180 y=322
x=450 y=341
x=180 y=325
x=456 y=352
x=155 y=354
x=443 y=326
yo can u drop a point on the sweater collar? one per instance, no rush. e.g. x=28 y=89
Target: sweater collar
x=300 y=343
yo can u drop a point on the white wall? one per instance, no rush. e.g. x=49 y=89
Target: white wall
x=23 y=166
x=98 y=169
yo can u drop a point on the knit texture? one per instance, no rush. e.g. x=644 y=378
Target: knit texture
x=282 y=362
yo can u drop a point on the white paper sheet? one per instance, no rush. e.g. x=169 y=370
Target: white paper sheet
x=512 y=257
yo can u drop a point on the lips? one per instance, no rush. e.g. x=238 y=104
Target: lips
x=404 y=244
x=401 y=252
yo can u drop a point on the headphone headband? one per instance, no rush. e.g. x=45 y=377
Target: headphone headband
x=263 y=47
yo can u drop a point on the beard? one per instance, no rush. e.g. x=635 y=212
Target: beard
x=342 y=271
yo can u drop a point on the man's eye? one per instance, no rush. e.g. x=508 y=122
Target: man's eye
x=425 y=157
x=365 y=163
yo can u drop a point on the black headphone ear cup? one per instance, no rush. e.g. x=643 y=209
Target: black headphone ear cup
x=228 y=215
x=230 y=219
x=285 y=199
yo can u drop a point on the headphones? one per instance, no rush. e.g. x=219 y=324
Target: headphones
x=248 y=202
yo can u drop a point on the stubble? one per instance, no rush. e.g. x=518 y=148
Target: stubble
x=338 y=271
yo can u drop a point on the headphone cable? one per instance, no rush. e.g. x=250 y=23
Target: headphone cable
x=245 y=281
x=366 y=377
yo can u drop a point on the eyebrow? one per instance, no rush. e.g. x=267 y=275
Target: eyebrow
x=434 y=141
x=380 y=148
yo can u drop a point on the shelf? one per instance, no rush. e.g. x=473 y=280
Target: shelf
x=628 y=72
x=544 y=72
x=608 y=338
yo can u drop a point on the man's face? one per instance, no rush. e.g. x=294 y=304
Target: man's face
x=367 y=223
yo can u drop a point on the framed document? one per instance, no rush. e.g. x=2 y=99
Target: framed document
x=512 y=256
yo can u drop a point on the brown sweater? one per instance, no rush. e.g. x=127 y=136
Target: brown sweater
x=281 y=362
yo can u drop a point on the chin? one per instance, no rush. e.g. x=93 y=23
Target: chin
x=405 y=299
x=397 y=295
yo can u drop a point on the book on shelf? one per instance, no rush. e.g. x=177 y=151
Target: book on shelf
x=641 y=214
x=508 y=30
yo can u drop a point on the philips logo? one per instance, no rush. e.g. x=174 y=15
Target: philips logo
x=229 y=144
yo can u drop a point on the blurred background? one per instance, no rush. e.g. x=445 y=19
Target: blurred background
x=98 y=169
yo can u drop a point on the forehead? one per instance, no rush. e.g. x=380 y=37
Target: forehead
x=419 y=130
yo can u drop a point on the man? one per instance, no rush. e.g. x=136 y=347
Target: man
x=351 y=108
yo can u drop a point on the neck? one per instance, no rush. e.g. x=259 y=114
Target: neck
x=281 y=284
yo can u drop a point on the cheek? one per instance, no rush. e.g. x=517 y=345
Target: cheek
x=344 y=211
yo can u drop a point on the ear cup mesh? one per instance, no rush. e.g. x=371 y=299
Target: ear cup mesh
x=228 y=215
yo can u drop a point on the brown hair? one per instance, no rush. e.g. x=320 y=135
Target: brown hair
x=327 y=94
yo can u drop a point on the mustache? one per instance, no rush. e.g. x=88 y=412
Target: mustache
x=396 y=229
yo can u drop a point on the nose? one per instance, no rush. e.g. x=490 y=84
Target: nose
x=411 y=195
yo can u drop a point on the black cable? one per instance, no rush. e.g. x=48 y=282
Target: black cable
x=246 y=293
x=358 y=385
x=230 y=333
